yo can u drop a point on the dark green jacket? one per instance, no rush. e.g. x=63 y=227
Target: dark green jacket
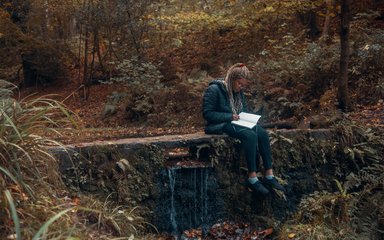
x=216 y=107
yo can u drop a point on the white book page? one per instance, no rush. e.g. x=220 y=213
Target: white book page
x=249 y=117
x=244 y=123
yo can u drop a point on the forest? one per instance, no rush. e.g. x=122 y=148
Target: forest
x=83 y=71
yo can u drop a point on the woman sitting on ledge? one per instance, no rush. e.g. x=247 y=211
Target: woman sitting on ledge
x=222 y=102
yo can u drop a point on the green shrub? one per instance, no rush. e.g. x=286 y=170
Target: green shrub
x=135 y=73
x=142 y=80
x=367 y=66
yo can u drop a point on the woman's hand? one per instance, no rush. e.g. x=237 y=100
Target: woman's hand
x=235 y=117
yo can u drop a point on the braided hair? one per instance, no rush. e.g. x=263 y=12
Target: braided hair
x=235 y=72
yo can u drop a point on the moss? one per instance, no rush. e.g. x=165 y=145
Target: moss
x=308 y=167
x=97 y=171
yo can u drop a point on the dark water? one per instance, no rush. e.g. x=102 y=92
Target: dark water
x=189 y=198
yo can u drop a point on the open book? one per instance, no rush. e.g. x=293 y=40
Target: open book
x=247 y=120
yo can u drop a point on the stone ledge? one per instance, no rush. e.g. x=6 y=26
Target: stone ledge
x=170 y=141
x=63 y=154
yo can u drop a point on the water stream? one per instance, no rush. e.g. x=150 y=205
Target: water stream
x=172 y=217
x=189 y=199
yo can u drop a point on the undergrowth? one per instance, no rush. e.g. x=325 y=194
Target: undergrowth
x=35 y=204
x=352 y=210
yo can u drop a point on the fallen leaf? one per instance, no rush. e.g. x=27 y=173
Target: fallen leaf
x=291 y=235
x=76 y=201
x=266 y=232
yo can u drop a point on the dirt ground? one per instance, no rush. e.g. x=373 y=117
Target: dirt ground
x=90 y=123
x=92 y=126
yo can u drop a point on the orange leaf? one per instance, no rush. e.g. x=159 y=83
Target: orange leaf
x=266 y=232
x=76 y=201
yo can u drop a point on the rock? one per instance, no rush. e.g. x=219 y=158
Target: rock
x=325 y=120
x=109 y=110
x=112 y=104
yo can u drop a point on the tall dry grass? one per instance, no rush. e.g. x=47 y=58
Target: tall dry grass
x=35 y=204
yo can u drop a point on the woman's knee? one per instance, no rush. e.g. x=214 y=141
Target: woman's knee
x=249 y=135
x=261 y=132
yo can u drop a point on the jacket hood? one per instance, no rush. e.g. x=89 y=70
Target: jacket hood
x=220 y=83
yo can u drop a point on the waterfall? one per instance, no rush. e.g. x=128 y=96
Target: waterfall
x=203 y=194
x=195 y=194
x=189 y=199
x=172 y=181
x=205 y=209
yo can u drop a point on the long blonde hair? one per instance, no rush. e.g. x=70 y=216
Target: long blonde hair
x=235 y=72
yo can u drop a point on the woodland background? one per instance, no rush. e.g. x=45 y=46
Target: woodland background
x=124 y=68
x=157 y=57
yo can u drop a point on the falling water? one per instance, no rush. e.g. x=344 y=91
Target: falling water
x=203 y=194
x=190 y=199
x=205 y=212
x=172 y=181
x=195 y=194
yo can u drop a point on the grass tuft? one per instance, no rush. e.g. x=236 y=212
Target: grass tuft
x=39 y=206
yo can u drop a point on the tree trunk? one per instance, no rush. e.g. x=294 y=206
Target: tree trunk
x=327 y=21
x=343 y=95
x=134 y=37
x=313 y=29
x=98 y=51
x=90 y=77
x=85 y=67
x=47 y=20
x=29 y=73
x=79 y=52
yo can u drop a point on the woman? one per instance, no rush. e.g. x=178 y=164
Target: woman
x=223 y=101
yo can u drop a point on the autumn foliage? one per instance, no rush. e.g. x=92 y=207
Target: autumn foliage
x=139 y=68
